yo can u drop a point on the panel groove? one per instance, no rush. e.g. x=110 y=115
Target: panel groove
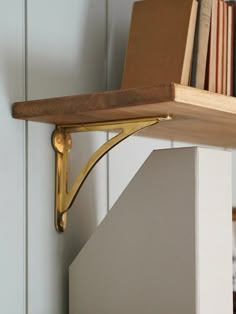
x=26 y=175
x=107 y=47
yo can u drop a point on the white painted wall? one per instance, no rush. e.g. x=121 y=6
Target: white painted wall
x=12 y=159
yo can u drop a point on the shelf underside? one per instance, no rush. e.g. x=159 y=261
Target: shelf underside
x=198 y=116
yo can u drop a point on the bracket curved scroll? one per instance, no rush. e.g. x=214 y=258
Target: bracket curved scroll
x=62 y=143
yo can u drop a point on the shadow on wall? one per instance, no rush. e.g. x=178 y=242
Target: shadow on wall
x=90 y=206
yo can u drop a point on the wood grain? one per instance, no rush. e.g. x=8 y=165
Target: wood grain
x=199 y=116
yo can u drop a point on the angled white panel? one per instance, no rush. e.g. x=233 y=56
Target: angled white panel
x=165 y=247
x=12 y=159
x=66 y=52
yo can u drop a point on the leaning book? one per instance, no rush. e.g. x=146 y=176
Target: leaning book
x=160 y=43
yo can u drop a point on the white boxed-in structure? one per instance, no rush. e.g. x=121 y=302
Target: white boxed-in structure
x=165 y=247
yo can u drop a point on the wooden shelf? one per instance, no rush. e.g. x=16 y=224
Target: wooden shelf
x=198 y=116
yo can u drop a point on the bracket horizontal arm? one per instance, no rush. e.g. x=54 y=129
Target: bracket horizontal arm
x=62 y=144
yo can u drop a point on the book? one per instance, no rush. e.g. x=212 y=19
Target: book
x=160 y=43
x=201 y=43
x=220 y=47
x=234 y=66
x=225 y=44
x=213 y=47
x=230 y=49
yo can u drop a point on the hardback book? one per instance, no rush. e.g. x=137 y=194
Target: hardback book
x=234 y=56
x=230 y=49
x=160 y=43
x=213 y=47
x=201 y=40
x=225 y=45
x=220 y=47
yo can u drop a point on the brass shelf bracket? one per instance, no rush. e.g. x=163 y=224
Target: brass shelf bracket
x=62 y=144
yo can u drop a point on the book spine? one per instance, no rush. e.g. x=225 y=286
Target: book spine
x=234 y=56
x=230 y=52
x=213 y=47
x=186 y=70
x=225 y=45
x=201 y=44
x=220 y=47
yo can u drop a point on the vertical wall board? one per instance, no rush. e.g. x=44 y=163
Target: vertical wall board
x=119 y=15
x=12 y=159
x=127 y=157
x=66 y=56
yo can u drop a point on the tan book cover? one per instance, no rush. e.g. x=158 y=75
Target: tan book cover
x=160 y=42
x=201 y=41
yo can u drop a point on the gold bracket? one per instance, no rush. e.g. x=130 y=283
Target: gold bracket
x=62 y=144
